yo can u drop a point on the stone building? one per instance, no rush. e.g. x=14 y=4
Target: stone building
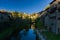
x=51 y=17
x=54 y=16
x=4 y=16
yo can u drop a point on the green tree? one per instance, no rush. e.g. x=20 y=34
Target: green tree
x=39 y=23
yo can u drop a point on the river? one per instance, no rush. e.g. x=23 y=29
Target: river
x=29 y=35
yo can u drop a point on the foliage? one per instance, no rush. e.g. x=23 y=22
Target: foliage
x=38 y=23
x=17 y=21
x=51 y=36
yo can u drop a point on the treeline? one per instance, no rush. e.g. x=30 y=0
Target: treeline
x=12 y=22
x=14 y=19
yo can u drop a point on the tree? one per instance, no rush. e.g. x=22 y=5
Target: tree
x=38 y=23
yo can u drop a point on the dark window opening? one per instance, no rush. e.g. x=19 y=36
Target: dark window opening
x=59 y=18
x=52 y=24
x=54 y=17
x=59 y=9
x=58 y=29
x=5 y=13
x=46 y=15
x=1 y=17
x=58 y=2
x=50 y=29
x=47 y=10
x=53 y=9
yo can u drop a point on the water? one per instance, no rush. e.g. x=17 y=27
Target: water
x=27 y=35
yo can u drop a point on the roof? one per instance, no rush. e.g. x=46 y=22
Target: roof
x=52 y=1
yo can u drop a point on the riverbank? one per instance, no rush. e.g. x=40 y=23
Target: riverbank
x=41 y=37
x=7 y=33
x=51 y=36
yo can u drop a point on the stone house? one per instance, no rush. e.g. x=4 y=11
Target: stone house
x=4 y=16
x=51 y=17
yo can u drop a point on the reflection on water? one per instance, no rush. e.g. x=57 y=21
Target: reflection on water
x=27 y=35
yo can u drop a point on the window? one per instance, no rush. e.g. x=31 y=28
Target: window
x=59 y=18
x=58 y=6
x=47 y=10
x=53 y=9
x=58 y=30
x=46 y=14
x=1 y=17
x=52 y=24
x=54 y=17
x=59 y=9
x=50 y=29
x=58 y=2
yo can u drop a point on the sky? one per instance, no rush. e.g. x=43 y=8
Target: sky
x=27 y=6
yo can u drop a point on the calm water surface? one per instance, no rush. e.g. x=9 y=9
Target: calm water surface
x=30 y=35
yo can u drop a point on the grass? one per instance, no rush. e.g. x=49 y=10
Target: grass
x=6 y=32
x=51 y=36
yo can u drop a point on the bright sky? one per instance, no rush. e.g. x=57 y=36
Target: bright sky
x=28 y=6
